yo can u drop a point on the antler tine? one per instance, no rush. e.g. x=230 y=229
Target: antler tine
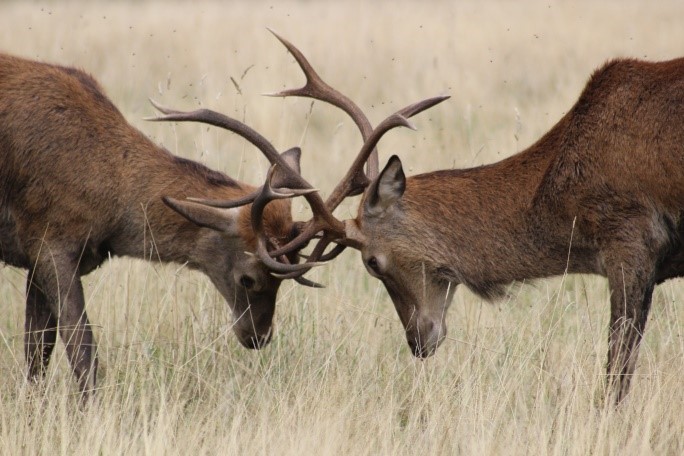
x=420 y=106
x=316 y=255
x=309 y=232
x=398 y=119
x=311 y=229
x=318 y=89
x=307 y=283
x=297 y=276
x=278 y=269
x=216 y=119
x=228 y=204
x=267 y=195
x=319 y=255
x=334 y=252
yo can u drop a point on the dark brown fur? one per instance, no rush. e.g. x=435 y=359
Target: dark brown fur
x=79 y=184
x=602 y=192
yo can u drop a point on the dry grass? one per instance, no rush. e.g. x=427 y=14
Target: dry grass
x=520 y=377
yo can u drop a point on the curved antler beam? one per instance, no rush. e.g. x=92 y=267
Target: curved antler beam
x=217 y=119
x=222 y=121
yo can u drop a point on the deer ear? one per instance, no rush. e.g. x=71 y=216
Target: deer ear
x=386 y=189
x=291 y=157
x=224 y=220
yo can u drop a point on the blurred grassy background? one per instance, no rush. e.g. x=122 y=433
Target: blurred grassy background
x=521 y=376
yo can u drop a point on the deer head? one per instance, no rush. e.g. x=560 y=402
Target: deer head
x=389 y=233
x=222 y=253
x=225 y=250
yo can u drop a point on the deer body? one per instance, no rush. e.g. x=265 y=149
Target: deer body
x=78 y=184
x=602 y=192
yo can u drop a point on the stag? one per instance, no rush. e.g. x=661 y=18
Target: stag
x=78 y=185
x=601 y=193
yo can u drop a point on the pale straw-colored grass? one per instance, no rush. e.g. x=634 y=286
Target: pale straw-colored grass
x=523 y=376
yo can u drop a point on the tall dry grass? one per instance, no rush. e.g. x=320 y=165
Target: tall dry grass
x=523 y=376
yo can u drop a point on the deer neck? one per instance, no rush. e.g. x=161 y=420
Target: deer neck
x=482 y=224
x=153 y=231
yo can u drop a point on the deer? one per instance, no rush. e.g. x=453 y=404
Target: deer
x=602 y=192
x=79 y=185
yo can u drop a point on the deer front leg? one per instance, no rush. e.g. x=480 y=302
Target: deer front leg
x=40 y=331
x=630 y=301
x=57 y=275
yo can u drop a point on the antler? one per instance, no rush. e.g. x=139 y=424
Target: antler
x=343 y=188
x=291 y=184
x=323 y=224
x=354 y=182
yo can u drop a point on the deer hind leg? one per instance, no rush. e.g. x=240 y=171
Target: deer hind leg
x=40 y=330
x=57 y=275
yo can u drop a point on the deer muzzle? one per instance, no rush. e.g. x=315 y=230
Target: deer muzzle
x=424 y=336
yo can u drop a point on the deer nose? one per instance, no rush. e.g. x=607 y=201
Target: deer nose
x=256 y=342
x=425 y=337
x=419 y=350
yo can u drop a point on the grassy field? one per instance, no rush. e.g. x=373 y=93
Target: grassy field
x=522 y=376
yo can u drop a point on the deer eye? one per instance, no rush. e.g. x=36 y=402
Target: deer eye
x=373 y=265
x=247 y=282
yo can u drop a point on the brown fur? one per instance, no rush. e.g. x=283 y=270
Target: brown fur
x=79 y=184
x=602 y=192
